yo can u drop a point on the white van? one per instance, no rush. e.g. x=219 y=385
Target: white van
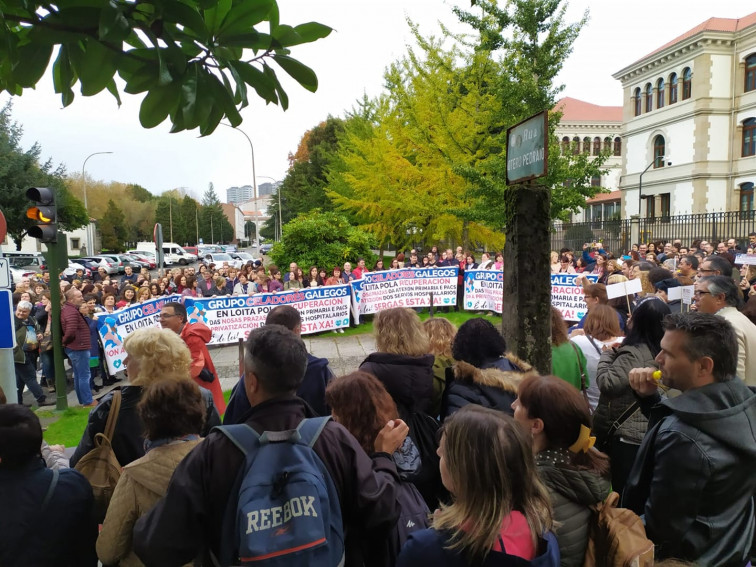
x=172 y=252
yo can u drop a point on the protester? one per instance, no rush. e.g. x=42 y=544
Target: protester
x=693 y=480
x=617 y=404
x=152 y=354
x=173 y=414
x=500 y=512
x=441 y=335
x=46 y=514
x=567 y=361
x=28 y=337
x=127 y=297
x=576 y=474
x=76 y=341
x=189 y=520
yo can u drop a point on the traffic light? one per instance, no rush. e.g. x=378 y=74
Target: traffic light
x=44 y=212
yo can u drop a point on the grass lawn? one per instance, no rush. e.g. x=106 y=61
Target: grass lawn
x=67 y=427
x=455 y=317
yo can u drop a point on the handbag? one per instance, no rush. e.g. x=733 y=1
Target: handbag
x=604 y=443
x=206 y=376
x=46 y=343
x=583 y=377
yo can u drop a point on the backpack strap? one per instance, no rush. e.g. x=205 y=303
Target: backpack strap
x=310 y=429
x=241 y=435
x=115 y=408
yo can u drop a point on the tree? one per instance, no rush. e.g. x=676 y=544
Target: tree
x=139 y=193
x=113 y=228
x=337 y=241
x=20 y=170
x=194 y=59
x=213 y=223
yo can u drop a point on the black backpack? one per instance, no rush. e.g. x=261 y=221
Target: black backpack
x=423 y=430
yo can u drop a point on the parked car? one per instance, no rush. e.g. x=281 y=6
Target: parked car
x=30 y=262
x=73 y=266
x=218 y=258
x=91 y=264
x=150 y=261
x=266 y=248
x=241 y=258
x=102 y=262
x=191 y=250
x=135 y=262
x=117 y=260
x=17 y=274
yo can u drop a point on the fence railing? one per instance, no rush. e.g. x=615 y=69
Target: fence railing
x=616 y=234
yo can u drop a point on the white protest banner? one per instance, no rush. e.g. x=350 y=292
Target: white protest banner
x=567 y=295
x=116 y=326
x=483 y=290
x=687 y=294
x=747 y=259
x=674 y=293
x=622 y=289
x=231 y=318
x=408 y=287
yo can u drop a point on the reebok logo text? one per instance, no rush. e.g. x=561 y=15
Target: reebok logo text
x=267 y=518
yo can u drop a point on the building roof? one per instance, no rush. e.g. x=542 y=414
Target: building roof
x=574 y=110
x=712 y=24
x=604 y=197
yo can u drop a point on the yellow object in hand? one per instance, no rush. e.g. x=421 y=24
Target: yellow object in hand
x=656 y=375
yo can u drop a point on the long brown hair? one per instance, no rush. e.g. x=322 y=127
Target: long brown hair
x=563 y=409
x=441 y=335
x=601 y=323
x=558 y=328
x=400 y=331
x=491 y=467
x=360 y=403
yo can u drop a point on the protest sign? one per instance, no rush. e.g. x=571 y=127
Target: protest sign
x=408 y=287
x=483 y=290
x=687 y=294
x=747 y=259
x=621 y=289
x=567 y=295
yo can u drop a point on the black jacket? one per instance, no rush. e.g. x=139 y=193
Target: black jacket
x=408 y=379
x=128 y=439
x=312 y=390
x=63 y=535
x=188 y=520
x=694 y=476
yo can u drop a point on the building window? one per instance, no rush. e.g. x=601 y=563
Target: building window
x=749 y=137
x=660 y=93
x=596 y=181
x=596 y=146
x=586 y=145
x=659 y=151
x=750 y=73
x=637 y=101
x=75 y=243
x=746 y=197
x=607 y=144
x=649 y=97
x=665 y=207
x=687 y=76
x=650 y=206
x=617 y=146
x=565 y=145
x=575 y=146
x=673 y=88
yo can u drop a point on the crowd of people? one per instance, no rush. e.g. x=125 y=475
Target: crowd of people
x=442 y=448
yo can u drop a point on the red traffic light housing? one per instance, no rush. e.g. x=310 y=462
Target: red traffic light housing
x=44 y=211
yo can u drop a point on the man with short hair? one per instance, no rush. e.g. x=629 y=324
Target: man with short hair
x=642 y=249
x=693 y=478
x=129 y=277
x=414 y=263
x=688 y=266
x=292 y=273
x=714 y=266
x=732 y=245
x=196 y=335
x=189 y=520
x=752 y=239
x=721 y=248
x=76 y=341
x=28 y=335
x=360 y=269
x=721 y=296
x=313 y=386
x=346 y=274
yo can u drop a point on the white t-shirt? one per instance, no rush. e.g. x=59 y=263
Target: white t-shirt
x=584 y=343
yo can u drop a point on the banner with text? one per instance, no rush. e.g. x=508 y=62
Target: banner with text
x=567 y=295
x=116 y=326
x=231 y=318
x=407 y=287
x=483 y=290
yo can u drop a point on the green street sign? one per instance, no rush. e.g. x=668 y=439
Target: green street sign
x=527 y=149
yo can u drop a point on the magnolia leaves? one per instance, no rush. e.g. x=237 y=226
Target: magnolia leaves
x=196 y=60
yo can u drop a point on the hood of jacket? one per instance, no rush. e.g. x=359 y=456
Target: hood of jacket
x=581 y=486
x=725 y=411
x=154 y=470
x=507 y=380
x=408 y=379
x=197 y=329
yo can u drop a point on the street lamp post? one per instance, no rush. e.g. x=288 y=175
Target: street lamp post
x=254 y=182
x=84 y=181
x=640 y=180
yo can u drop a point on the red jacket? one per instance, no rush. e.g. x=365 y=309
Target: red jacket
x=75 y=328
x=196 y=336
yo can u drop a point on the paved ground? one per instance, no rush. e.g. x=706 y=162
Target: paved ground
x=344 y=354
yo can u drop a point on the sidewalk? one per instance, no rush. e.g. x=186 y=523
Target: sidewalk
x=343 y=353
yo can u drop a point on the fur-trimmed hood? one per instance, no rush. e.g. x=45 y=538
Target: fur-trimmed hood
x=494 y=377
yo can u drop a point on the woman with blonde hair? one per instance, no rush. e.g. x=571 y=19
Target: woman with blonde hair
x=151 y=354
x=405 y=368
x=441 y=335
x=500 y=512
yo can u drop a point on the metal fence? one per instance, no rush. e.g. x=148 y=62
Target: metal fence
x=615 y=235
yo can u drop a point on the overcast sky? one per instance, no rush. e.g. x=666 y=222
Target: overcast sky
x=368 y=36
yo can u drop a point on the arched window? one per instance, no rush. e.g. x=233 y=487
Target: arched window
x=660 y=93
x=586 y=145
x=746 y=196
x=673 y=88
x=659 y=147
x=596 y=146
x=649 y=97
x=565 y=145
x=596 y=181
x=750 y=73
x=637 y=101
x=617 y=146
x=749 y=137
x=575 y=145
x=607 y=144
x=687 y=76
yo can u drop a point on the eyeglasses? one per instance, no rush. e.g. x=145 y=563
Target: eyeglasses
x=700 y=293
x=167 y=315
x=702 y=270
